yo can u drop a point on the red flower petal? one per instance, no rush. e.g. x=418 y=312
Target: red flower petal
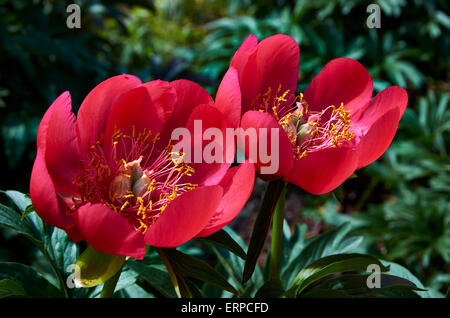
x=189 y=96
x=43 y=125
x=342 y=80
x=207 y=173
x=46 y=202
x=240 y=58
x=163 y=96
x=184 y=217
x=323 y=171
x=379 y=123
x=132 y=114
x=228 y=98
x=96 y=106
x=257 y=120
x=274 y=63
x=108 y=232
x=238 y=186
x=58 y=137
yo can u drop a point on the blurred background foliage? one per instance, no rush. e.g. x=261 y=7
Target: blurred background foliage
x=400 y=204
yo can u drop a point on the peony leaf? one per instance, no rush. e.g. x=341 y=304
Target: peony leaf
x=331 y=265
x=185 y=265
x=223 y=239
x=31 y=281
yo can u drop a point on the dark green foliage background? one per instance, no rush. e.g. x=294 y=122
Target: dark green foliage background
x=400 y=204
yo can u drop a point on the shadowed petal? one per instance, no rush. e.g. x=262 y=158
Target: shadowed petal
x=228 y=98
x=258 y=122
x=132 y=115
x=108 y=232
x=241 y=56
x=163 y=96
x=208 y=171
x=189 y=96
x=61 y=144
x=184 y=217
x=238 y=186
x=46 y=202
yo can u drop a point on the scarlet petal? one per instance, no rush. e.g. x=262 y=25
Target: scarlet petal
x=95 y=108
x=379 y=123
x=64 y=98
x=258 y=122
x=184 y=217
x=47 y=204
x=61 y=144
x=342 y=80
x=206 y=172
x=189 y=96
x=109 y=232
x=228 y=98
x=241 y=56
x=237 y=185
x=273 y=64
x=323 y=171
x=163 y=96
x=132 y=114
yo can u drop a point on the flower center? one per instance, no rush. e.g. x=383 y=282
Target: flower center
x=308 y=131
x=139 y=184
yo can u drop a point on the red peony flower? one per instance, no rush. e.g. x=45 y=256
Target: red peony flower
x=111 y=176
x=329 y=131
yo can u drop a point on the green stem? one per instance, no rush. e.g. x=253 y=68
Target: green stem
x=262 y=226
x=366 y=194
x=276 y=245
x=173 y=276
x=110 y=285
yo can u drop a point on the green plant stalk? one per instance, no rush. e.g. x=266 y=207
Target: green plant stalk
x=262 y=225
x=110 y=285
x=276 y=244
x=173 y=276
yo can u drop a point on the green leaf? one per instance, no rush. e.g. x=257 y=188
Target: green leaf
x=223 y=239
x=262 y=225
x=355 y=285
x=233 y=266
x=21 y=200
x=32 y=282
x=400 y=271
x=185 y=265
x=64 y=251
x=271 y=289
x=328 y=243
x=13 y=220
x=29 y=209
x=135 y=291
x=331 y=265
x=156 y=275
x=9 y=288
x=325 y=293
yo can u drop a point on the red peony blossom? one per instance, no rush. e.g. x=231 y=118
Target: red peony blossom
x=110 y=176
x=328 y=132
